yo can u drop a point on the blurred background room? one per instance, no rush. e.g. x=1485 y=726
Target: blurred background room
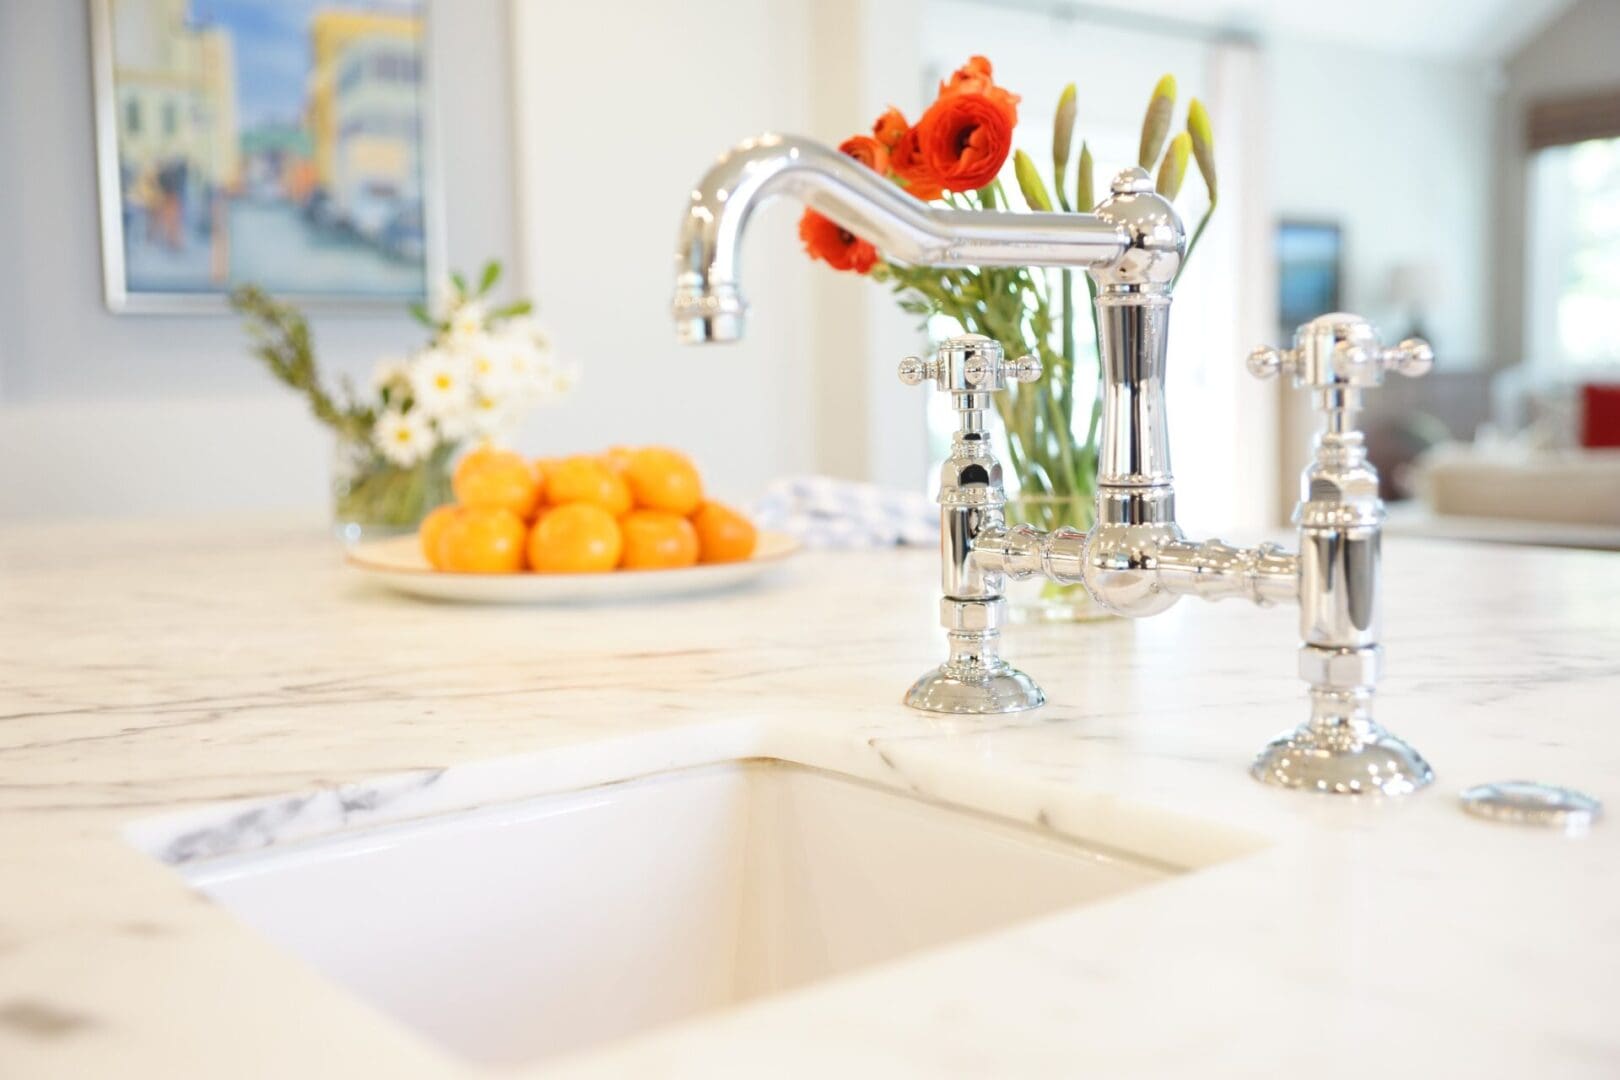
x=1448 y=168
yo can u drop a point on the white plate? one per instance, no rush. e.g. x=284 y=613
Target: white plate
x=399 y=564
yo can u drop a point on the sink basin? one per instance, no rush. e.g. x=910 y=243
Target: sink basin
x=547 y=924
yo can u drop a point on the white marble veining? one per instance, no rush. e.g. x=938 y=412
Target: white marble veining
x=150 y=672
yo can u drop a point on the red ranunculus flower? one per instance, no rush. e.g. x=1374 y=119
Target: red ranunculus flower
x=965 y=138
x=973 y=77
x=909 y=164
x=834 y=245
x=890 y=128
x=868 y=151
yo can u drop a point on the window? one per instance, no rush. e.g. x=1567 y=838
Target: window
x=132 y=116
x=171 y=118
x=396 y=67
x=349 y=78
x=1574 y=254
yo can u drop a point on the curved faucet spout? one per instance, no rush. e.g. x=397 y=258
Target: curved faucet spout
x=708 y=303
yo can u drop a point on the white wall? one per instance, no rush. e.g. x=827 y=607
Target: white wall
x=619 y=117
x=128 y=414
x=867 y=55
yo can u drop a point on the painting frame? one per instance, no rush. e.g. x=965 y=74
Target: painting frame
x=121 y=299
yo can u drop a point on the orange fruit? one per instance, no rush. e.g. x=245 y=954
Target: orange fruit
x=497 y=479
x=586 y=479
x=663 y=479
x=658 y=540
x=723 y=534
x=484 y=540
x=579 y=538
x=431 y=534
x=617 y=458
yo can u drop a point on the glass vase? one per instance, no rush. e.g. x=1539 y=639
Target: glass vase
x=1035 y=599
x=373 y=498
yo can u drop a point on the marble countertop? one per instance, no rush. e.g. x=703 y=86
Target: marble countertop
x=1416 y=520
x=149 y=669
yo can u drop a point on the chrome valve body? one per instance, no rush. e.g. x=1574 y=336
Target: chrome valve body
x=1340 y=518
x=1135 y=559
x=974 y=678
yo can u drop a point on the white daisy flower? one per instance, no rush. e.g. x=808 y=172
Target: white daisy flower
x=403 y=438
x=455 y=427
x=389 y=373
x=439 y=383
x=488 y=362
x=467 y=321
x=492 y=417
x=442 y=299
x=523 y=328
x=564 y=377
x=525 y=366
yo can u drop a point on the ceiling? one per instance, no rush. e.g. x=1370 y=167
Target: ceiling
x=1454 y=29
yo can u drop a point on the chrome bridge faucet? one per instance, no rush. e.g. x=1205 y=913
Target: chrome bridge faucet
x=1135 y=560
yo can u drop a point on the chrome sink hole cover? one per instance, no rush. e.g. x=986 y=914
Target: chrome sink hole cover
x=1529 y=802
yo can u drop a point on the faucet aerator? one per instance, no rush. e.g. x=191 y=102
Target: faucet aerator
x=708 y=315
x=708 y=330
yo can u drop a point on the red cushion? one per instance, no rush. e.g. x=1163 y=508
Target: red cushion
x=1600 y=414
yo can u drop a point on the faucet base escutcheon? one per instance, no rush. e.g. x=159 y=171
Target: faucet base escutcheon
x=972 y=689
x=1367 y=762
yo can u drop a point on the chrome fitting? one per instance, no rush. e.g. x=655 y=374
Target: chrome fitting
x=974 y=679
x=1341 y=669
x=1341 y=749
x=975 y=616
x=1263 y=575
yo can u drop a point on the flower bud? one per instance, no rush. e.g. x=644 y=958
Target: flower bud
x=1086 y=188
x=1173 y=169
x=1203 y=143
x=1029 y=182
x=1156 y=124
x=1063 y=135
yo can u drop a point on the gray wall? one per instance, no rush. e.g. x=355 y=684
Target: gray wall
x=1577 y=52
x=66 y=361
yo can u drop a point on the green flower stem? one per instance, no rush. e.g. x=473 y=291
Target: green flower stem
x=1014 y=307
x=1193 y=243
x=1063 y=438
x=281 y=338
x=372 y=491
x=1020 y=309
x=1066 y=381
x=1096 y=397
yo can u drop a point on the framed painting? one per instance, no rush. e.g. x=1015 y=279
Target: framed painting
x=1310 y=259
x=280 y=143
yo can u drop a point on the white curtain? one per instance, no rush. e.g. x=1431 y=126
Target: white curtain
x=1226 y=422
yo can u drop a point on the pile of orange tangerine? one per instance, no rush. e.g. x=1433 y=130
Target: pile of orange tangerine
x=630 y=509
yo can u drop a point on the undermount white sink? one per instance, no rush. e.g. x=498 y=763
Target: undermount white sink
x=542 y=926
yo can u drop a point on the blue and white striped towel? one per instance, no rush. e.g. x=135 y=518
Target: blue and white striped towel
x=823 y=512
